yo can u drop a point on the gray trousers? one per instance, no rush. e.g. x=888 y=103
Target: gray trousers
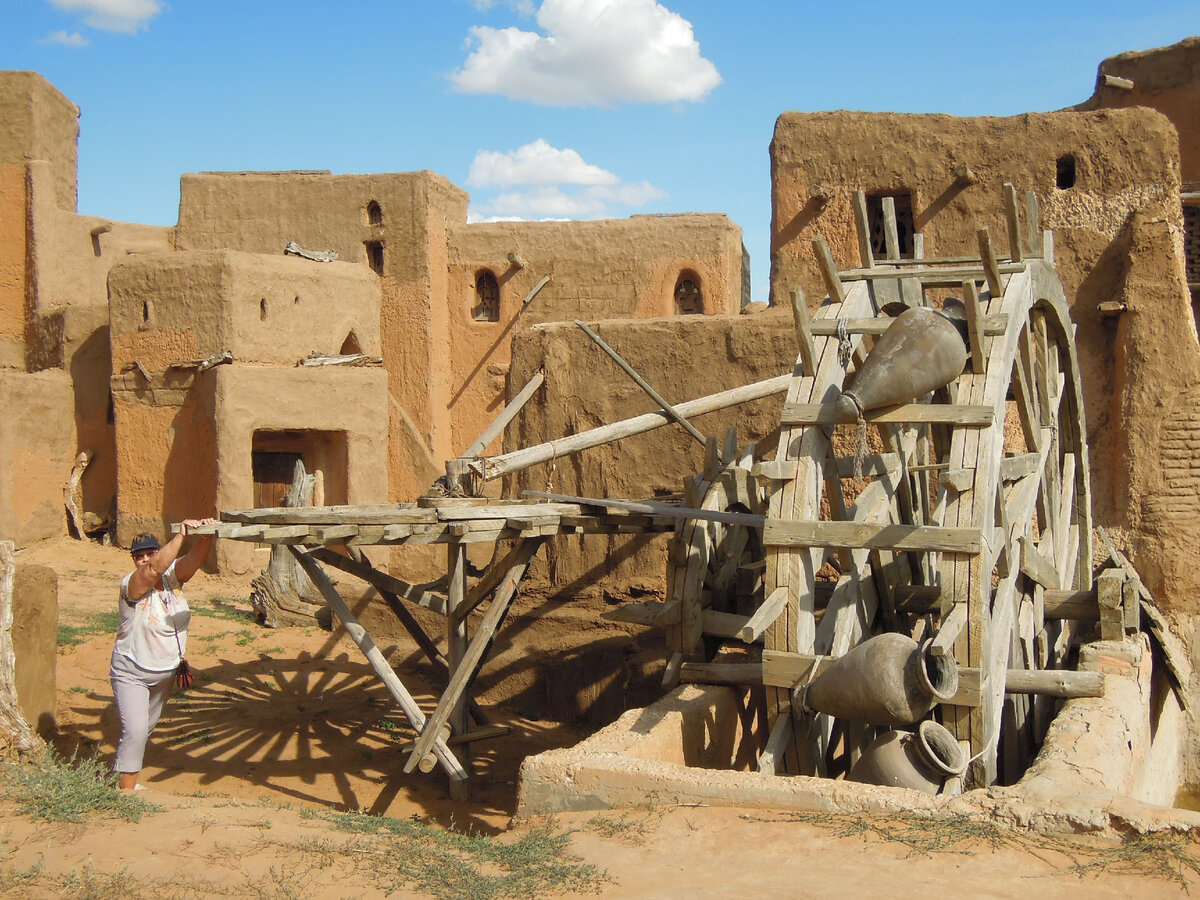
x=140 y=696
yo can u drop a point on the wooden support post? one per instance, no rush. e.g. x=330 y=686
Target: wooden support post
x=829 y=270
x=891 y=234
x=1109 y=594
x=466 y=662
x=379 y=664
x=991 y=268
x=781 y=733
x=808 y=354
x=1012 y=217
x=506 y=416
x=456 y=648
x=16 y=734
x=1033 y=224
x=863 y=229
x=974 y=327
x=641 y=382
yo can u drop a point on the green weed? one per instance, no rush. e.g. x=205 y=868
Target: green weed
x=100 y=623
x=57 y=790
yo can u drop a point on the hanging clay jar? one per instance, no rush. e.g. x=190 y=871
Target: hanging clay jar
x=921 y=351
x=921 y=760
x=885 y=680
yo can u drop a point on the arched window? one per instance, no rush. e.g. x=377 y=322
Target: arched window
x=350 y=346
x=689 y=299
x=487 y=297
x=374 y=214
x=905 y=228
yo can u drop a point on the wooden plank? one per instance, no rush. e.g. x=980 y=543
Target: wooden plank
x=1035 y=566
x=951 y=627
x=862 y=229
x=974 y=327
x=1033 y=225
x=992 y=325
x=325 y=515
x=379 y=663
x=1012 y=218
x=1014 y=468
x=671 y=672
x=722 y=624
x=904 y=414
x=456 y=648
x=852 y=535
x=949 y=276
x=721 y=673
x=804 y=336
x=663 y=510
x=829 y=270
x=991 y=267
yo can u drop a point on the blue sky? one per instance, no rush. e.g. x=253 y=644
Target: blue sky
x=539 y=108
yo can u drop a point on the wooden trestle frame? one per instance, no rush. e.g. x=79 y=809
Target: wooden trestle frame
x=972 y=528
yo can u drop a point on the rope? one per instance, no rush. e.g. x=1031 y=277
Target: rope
x=845 y=351
x=860 y=445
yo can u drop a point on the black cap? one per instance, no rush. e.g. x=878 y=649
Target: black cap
x=144 y=542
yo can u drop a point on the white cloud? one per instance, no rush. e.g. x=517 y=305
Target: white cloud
x=536 y=163
x=549 y=183
x=71 y=39
x=592 y=52
x=129 y=16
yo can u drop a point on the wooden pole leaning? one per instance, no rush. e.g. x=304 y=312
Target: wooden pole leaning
x=641 y=382
x=506 y=415
x=395 y=687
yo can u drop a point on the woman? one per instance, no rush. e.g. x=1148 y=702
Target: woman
x=151 y=639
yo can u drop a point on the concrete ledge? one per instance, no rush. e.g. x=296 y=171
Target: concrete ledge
x=687 y=748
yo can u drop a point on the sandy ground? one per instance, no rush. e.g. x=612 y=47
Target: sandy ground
x=286 y=726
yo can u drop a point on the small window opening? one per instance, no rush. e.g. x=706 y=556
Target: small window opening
x=147 y=311
x=905 y=228
x=262 y=309
x=375 y=256
x=689 y=299
x=1064 y=172
x=374 y=214
x=487 y=298
x=297 y=300
x=350 y=345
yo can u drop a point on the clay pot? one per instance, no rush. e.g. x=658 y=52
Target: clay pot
x=922 y=760
x=920 y=352
x=885 y=680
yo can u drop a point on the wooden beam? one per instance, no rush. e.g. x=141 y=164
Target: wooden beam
x=382 y=581
x=974 y=327
x=721 y=673
x=993 y=325
x=777 y=741
x=853 y=535
x=933 y=276
x=904 y=414
x=764 y=616
x=1054 y=682
x=1012 y=218
x=498 y=466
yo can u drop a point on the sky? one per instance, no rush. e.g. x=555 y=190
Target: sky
x=540 y=109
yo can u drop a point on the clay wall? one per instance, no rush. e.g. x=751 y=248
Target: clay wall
x=684 y=357
x=13 y=264
x=40 y=124
x=615 y=268
x=1166 y=79
x=269 y=312
x=37 y=441
x=336 y=415
x=1118 y=237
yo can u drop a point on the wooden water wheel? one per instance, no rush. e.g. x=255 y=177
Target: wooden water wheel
x=969 y=519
